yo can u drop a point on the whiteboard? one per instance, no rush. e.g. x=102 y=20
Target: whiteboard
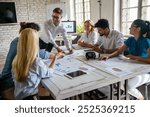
x=52 y=6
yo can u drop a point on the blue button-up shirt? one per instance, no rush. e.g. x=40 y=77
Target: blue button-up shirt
x=138 y=47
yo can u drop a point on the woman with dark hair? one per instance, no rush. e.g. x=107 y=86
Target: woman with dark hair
x=139 y=49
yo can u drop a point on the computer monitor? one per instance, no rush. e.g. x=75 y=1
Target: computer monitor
x=70 y=26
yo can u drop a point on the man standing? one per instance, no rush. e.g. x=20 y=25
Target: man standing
x=109 y=40
x=52 y=28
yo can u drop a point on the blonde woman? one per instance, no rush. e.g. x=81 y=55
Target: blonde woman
x=28 y=68
x=89 y=37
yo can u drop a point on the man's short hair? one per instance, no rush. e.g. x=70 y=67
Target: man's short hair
x=102 y=23
x=58 y=10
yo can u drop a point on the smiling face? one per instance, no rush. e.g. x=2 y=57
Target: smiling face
x=56 y=17
x=87 y=27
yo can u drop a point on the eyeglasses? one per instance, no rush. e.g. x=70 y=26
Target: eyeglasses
x=56 y=17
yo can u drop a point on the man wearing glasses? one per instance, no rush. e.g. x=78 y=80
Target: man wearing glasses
x=52 y=28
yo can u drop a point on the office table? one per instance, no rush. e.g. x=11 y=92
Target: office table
x=120 y=67
x=104 y=73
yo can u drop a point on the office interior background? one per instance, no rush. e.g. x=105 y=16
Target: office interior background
x=120 y=14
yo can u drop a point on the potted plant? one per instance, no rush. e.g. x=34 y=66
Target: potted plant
x=79 y=30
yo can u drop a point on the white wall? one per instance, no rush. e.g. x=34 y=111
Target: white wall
x=94 y=10
x=107 y=11
x=26 y=10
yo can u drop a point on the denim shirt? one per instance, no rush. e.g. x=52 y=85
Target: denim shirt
x=6 y=75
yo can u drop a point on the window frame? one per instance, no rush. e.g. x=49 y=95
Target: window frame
x=83 y=12
x=139 y=13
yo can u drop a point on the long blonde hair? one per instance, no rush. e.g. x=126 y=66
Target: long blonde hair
x=27 y=50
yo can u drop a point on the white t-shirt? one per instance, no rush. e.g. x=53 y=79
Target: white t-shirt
x=112 y=41
x=92 y=38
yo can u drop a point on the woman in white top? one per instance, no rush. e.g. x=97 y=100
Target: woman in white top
x=89 y=37
x=28 y=68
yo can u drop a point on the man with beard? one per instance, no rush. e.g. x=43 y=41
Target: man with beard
x=109 y=40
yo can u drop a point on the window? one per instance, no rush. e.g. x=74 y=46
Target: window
x=87 y=9
x=146 y=9
x=82 y=10
x=131 y=10
x=129 y=13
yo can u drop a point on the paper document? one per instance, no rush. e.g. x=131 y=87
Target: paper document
x=117 y=71
x=66 y=65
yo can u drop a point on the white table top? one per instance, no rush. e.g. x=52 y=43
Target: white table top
x=69 y=37
x=62 y=87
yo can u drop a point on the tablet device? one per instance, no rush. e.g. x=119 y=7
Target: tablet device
x=75 y=74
